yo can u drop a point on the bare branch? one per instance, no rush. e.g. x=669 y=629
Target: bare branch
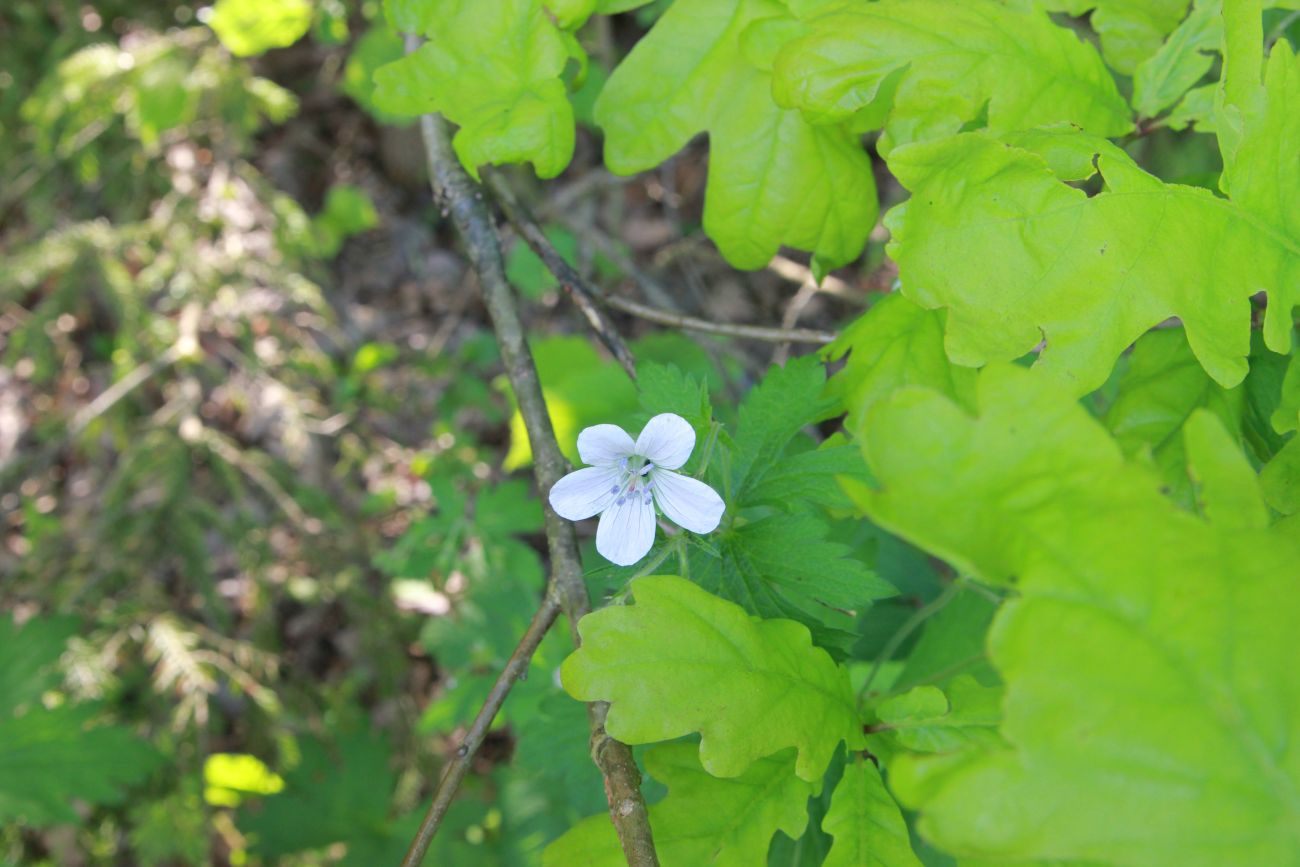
x=584 y=295
x=459 y=765
x=727 y=329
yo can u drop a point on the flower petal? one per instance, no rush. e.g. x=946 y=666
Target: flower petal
x=583 y=493
x=604 y=444
x=687 y=502
x=626 y=530
x=667 y=440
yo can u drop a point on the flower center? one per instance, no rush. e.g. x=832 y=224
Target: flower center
x=636 y=480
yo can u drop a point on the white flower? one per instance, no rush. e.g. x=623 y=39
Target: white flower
x=627 y=479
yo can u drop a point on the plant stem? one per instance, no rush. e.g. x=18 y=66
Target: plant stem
x=462 y=199
x=585 y=296
x=726 y=329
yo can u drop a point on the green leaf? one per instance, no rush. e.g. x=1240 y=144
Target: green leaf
x=868 y=828
x=51 y=758
x=953 y=642
x=1286 y=417
x=1280 y=479
x=1130 y=30
x=704 y=820
x=348 y=211
x=377 y=46
x=525 y=269
x=808 y=477
x=1143 y=640
x=927 y=719
x=773 y=179
x=249 y=27
x=681 y=661
x=752 y=567
x=773 y=412
x=1227 y=488
x=1181 y=61
x=939 y=63
x=493 y=68
x=1067 y=262
x=894 y=344
x=1159 y=391
x=28 y=654
x=334 y=794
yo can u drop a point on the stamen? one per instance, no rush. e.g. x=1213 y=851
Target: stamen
x=621 y=500
x=647 y=468
x=614 y=489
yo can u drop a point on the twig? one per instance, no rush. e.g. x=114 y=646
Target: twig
x=584 y=295
x=922 y=614
x=791 y=318
x=803 y=275
x=456 y=769
x=690 y=323
x=462 y=200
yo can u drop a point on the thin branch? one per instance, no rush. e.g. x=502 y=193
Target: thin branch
x=793 y=311
x=462 y=200
x=456 y=769
x=705 y=326
x=584 y=295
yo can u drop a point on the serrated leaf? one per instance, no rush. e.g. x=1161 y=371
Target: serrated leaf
x=1066 y=262
x=1159 y=391
x=682 y=661
x=28 y=654
x=493 y=68
x=1143 y=639
x=704 y=820
x=866 y=823
x=808 y=477
x=1130 y=30
x=935 y=64
x=773 y=179
x=51 y=758
x=773 y=412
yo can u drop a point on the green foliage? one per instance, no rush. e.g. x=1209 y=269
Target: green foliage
x=922 y=69
x=51 y=755
x=1079 y=253
x=773 y=178
x=249 y=27
x=1131 y=596
x=348 y=211
x=494 y=69
x=682 y=661
x=336 y=793
x=704 y=820
x=868 y=829
x=1130 y=30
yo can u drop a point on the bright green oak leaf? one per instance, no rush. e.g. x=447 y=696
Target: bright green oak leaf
x=865 y=822
x=1280 y=479
x=1286 y=417
x=705 y=821
x=773 y=178
x=940 y=63
x=1130 y=30
x=1150 y=680
x=895 y=343
x=927 y=719
x=249 y=27
x=1018 y=255
x=493 y=68
x=1160 y=389
x=1165 y=76
x=1226 y=486
x=681 y=660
